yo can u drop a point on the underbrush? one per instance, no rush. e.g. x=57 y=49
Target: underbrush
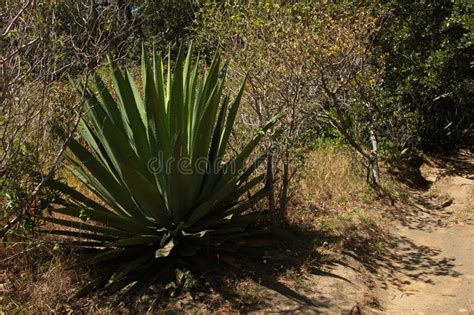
x=333 y=195
x=33 y=277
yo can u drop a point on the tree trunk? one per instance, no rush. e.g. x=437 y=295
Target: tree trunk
x=285 y=182
x=269 y=185
x=374 y=161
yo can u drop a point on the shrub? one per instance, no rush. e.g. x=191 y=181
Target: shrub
x=168 y=194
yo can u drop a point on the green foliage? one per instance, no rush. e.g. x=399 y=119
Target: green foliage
x=162 y=22
x=15 y=185
x=427 y=47
x=77 y=35
x=167 y=192
x=292 y=52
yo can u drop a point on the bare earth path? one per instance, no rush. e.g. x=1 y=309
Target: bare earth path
x=429 y=265
x=426 y=265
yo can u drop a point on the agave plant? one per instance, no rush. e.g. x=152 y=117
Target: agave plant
x=157 y=161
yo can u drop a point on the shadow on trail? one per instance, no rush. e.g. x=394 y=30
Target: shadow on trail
x=395 y=259
x=461 y=164
x=270 y=266
x=424 y=214
x=407 y=171
x=402 y=261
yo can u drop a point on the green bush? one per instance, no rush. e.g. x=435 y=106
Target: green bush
x=427 y=49
x=168 y=194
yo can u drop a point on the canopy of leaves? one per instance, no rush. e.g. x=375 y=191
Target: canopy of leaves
x=427 y=46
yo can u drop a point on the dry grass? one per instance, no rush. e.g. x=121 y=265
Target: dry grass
x=336 y=203
x=332 y=176
x=333 y=194
x=33 y=278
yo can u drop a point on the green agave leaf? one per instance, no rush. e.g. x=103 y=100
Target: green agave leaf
x=95 y=143
x=75 y=195
x=147 y=196
x=214 y=161
x=107 y=219
x=176 y=100
x=200 y=212
x=137 y=240
x=165 y=250
x=127 y=268
x=132 y=113
x=108 y=103
x=100 y=191
x=107 y=256
x=218 y=132
x=239 y=160
x=148 y=276
x=92 y=285
x=155 y=107
x=230 y=122
x=234 y=195
x=249 y=203
x=205 y=123
x=210 y=222
x=83 y=226
x=178 y=187
x=249 y=171
x=98 y=174
x=81 y=235
x=160 y=88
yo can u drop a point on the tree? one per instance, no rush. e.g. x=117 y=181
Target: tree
x=427 y=48
x=41 y=44
x=262 y=42
x=307 y=59
x=345 y=84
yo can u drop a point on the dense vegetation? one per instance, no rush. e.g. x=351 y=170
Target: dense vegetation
x=427 y=47
x=390 y=79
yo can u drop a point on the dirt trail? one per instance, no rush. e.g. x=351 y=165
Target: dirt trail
x=429 y=264
x=426 y=265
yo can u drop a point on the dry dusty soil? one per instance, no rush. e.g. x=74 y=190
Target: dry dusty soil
x=433 y=260
x=426 y=265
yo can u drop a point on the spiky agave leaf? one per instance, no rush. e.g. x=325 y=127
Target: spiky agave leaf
x=155 y=159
